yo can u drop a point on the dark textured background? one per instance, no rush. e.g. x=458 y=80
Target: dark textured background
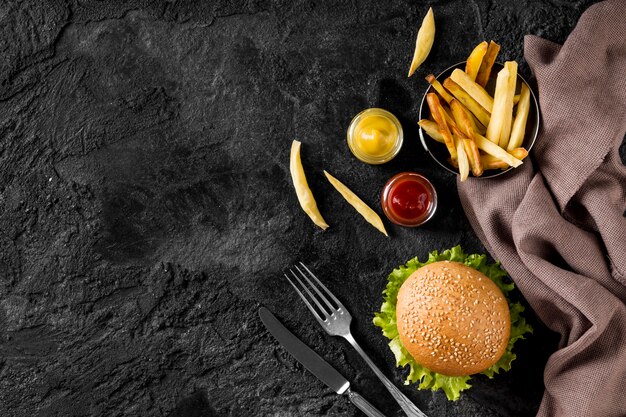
x=146 y=208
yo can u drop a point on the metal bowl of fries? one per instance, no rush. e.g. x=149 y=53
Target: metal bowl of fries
x=479 y=127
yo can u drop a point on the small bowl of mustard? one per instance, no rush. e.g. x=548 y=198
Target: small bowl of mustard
x=375 y=136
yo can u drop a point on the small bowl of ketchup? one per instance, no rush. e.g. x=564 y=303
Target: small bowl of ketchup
x=409 y=199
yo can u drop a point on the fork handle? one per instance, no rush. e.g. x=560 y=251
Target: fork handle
x=407 y=406
x=363 y=405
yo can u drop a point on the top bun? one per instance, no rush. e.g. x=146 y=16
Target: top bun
x=453 y=319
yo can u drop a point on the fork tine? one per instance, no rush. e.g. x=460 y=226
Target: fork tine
x=322 y=311
x=331 y=295
x=306 y=301
x=322 y=296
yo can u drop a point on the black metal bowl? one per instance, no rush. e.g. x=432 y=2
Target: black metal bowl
x=439 y=152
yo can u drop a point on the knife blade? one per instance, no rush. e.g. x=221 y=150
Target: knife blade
x=304 y=354
x=314 y=362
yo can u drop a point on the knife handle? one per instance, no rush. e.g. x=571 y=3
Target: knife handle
x=407 y=406
x=363 y=405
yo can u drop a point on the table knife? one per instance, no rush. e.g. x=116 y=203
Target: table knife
x=314 y=363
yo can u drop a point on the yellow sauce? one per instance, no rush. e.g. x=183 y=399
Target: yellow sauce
x=375 y=135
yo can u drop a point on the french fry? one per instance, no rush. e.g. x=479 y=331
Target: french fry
x=520 y=153
x=494 y=128
x=462 y=160
x=461 y=118
x=478 y=127
x=447 y=114
x=467 y=133
x=476 y=91
x=465 y=115
x=432 y=129
x=471 y=151
x=485 y=67
x=438 y=114
x=439 y=88
x=424 y=41
x=363 y=209
x=519 y=126
x=491 y=162
x=491 y=148
x=473 y=112
x=505 y=134
x=475 y=59
x=473 y=154
x=476 y=109
x=305 y=196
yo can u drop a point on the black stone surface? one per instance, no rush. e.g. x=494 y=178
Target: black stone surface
x=146 y=208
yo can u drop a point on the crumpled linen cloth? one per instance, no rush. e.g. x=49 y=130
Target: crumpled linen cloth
x=558 y=222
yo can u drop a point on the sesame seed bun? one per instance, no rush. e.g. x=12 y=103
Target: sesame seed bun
x=453 y=319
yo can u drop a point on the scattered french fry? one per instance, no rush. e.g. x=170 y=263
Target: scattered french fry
x=475 y=59
x=488 y=60
x=476 y=91
x=494 y=128
x=516 y=98
x=432 y=129
x=438 y=114
x=505 y=134
x=305 y=196
x=464 y=166
x=424 y=42
x=439 y=88
x=491 y=148
x=363 y=209
x=491 y=162
x=476 y=109
x=519 y=126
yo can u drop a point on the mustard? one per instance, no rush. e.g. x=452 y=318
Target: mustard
x=375 y=136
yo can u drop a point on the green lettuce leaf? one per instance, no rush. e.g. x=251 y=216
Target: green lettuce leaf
x=386 y=320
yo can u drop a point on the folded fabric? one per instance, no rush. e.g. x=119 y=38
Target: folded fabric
x=558 y=222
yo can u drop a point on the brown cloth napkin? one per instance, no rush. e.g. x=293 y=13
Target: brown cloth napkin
x=557 y=222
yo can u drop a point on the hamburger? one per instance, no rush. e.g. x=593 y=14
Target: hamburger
x=450 y=318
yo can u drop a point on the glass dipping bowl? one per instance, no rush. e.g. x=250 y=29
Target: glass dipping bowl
x=392 y=186
x=371 y=159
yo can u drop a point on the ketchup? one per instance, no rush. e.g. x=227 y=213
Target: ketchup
x=409 y=199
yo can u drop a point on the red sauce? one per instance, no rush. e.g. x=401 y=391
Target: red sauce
x=409 y=199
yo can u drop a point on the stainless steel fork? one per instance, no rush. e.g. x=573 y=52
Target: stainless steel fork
x=335 y=319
